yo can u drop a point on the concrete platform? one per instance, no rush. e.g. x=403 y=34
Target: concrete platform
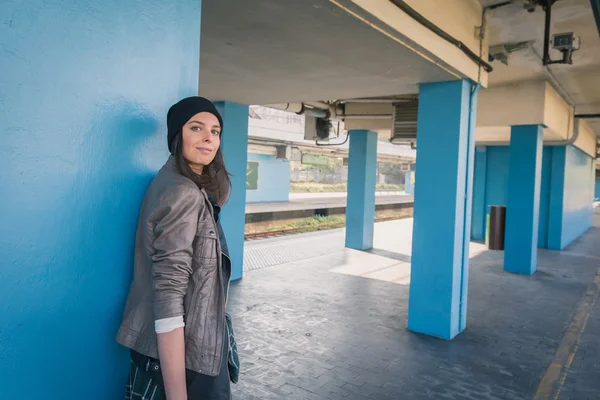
x=320 y=202
x=317 y=321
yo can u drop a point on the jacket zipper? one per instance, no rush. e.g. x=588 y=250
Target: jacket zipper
x=220 y=268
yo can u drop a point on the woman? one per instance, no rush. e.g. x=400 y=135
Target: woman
x=174 y=320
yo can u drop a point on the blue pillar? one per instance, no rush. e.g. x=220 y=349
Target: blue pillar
x=556 y=201
x=360 y=208
x=72 y=191
x=235 y=151
x=523 y=199
x=479 y=212
x=409 y=181
x=442 y=215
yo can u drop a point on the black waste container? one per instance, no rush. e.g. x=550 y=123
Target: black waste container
x=497 y=227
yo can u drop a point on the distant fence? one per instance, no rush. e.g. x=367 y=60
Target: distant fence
x=340 y=176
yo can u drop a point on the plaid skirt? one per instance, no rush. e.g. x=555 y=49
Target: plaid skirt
x=143 y=383
x=145 y=377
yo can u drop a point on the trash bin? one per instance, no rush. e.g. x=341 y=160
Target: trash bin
x=497 y=223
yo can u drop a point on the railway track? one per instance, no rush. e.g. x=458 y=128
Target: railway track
x=304 y=229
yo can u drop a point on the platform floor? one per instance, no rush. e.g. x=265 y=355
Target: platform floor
x=317 y=321
x=298 y=203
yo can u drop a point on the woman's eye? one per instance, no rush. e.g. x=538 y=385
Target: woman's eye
x=215 y=132
x=196 y=128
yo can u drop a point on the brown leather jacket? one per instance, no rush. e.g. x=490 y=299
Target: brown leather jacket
x=177 y=272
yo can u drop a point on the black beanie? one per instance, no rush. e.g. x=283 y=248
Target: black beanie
x=182 y=111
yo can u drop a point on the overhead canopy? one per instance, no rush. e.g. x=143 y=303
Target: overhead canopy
x=273 y=51
x=580 y=81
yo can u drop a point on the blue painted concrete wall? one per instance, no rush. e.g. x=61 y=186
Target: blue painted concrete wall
x=597 y=191
x=545 y=196
x=409 y=186
x=273 y=179
x=234 y=143
x=577 y=190
x=479 y=207
x=495 y=189
x=84 y=91
x=489 y=188
x=578 y=195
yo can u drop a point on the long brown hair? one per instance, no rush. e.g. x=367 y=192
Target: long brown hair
x=214 y=178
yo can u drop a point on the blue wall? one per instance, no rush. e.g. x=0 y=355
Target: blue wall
x=494 y=182
x=496 y=186
x=578 y=195
x=597 y=191
x=84 y=91
x=273 y=179
x=576 y=209
x=479 y=204
x=409 y=187
x=545 y=188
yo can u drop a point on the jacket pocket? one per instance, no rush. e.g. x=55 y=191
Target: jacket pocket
x=206 y=243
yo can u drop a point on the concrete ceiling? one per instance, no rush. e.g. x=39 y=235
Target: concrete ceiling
x=273 y=51
x=581 y=81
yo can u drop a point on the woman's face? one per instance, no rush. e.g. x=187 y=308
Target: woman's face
x=201 y=140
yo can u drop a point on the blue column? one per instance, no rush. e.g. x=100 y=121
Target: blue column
x=360 y=208
x=72 y=191
x=235 y=151
x=478 y=228
x=409 y=181
x=556 y=201
x=523 y=199
x=442 y=215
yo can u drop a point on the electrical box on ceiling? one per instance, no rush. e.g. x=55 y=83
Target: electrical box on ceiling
x=316 y=128
x=284 y=152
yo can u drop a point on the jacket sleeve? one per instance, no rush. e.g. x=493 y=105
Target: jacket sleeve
x=175 y=224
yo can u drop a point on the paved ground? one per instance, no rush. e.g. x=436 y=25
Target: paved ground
x=317 y=321
x=320 y=202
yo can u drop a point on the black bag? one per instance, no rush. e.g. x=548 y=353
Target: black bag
x=233 y=361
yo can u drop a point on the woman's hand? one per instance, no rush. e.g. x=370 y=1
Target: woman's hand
x=171 y=353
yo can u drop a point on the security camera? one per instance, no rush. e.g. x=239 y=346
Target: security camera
x=498 y=53
x=566 y=43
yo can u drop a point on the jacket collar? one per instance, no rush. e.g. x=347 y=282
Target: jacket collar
x=171 y=165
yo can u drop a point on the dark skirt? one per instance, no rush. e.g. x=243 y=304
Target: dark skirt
x=145 y=381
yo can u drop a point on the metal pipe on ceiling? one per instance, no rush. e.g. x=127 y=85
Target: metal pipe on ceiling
x=300 y=109
x=368 y=116
x=443 y=34
x=408 y=98
x=587 y=116
x=318 y=104
x=290 y=107
x=596 y=12
x=567 y=142
x=317 y=109
x=548 y=20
